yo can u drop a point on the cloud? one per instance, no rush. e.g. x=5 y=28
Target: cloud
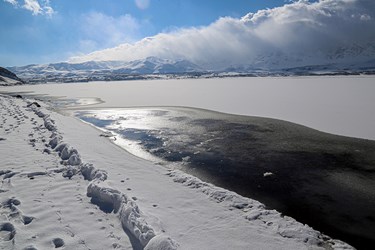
x=297 y=33
x=142 y=4
x=36 y=7
x=33 y=6
x=103 y=31
x=13 y=2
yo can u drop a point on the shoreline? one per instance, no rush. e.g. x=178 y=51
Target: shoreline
x=168 y=210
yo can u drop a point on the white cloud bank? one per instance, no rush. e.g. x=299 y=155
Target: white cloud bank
x=36 y=7
x=297 y=33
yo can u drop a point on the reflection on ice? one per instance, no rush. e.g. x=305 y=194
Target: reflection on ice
x=146 y=132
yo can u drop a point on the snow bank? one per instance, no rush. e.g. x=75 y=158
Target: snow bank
x=161 y=242
x=107 y=198
x=256 y=212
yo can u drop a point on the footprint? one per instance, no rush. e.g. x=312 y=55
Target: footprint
x=2 y=172
x=7 y=231
x=10 y=202
x=9 y=175
x=15 y=212
x=27 y=219
x=58 y=242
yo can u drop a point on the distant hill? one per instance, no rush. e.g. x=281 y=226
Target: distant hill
x=158 y=68
x=8 y=78
x=150 y=67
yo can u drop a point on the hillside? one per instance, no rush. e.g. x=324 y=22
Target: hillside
x=8 y=78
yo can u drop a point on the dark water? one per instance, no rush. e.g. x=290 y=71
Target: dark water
x=325 y=181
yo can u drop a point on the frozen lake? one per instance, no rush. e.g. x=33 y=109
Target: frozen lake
x=340 y=105
x=286 y=166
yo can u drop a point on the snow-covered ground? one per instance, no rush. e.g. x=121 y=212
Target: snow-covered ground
x=65 y=185
x=6 y=81
x=340 y=105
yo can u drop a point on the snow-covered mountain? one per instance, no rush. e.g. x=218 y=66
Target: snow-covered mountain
x=353 y=59
x=104 y=70
x=154 y=65
x=150 y=65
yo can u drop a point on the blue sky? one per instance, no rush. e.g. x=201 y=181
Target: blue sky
x=215 y=34
x=41 y=31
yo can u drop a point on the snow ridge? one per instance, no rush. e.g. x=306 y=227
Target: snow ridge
x=107 y=198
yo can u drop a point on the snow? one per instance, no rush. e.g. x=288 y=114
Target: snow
x=161 y=242
x=338 y=105
x=64 y=185
x=266 y=174
x=34 y=195
x=6 y=81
